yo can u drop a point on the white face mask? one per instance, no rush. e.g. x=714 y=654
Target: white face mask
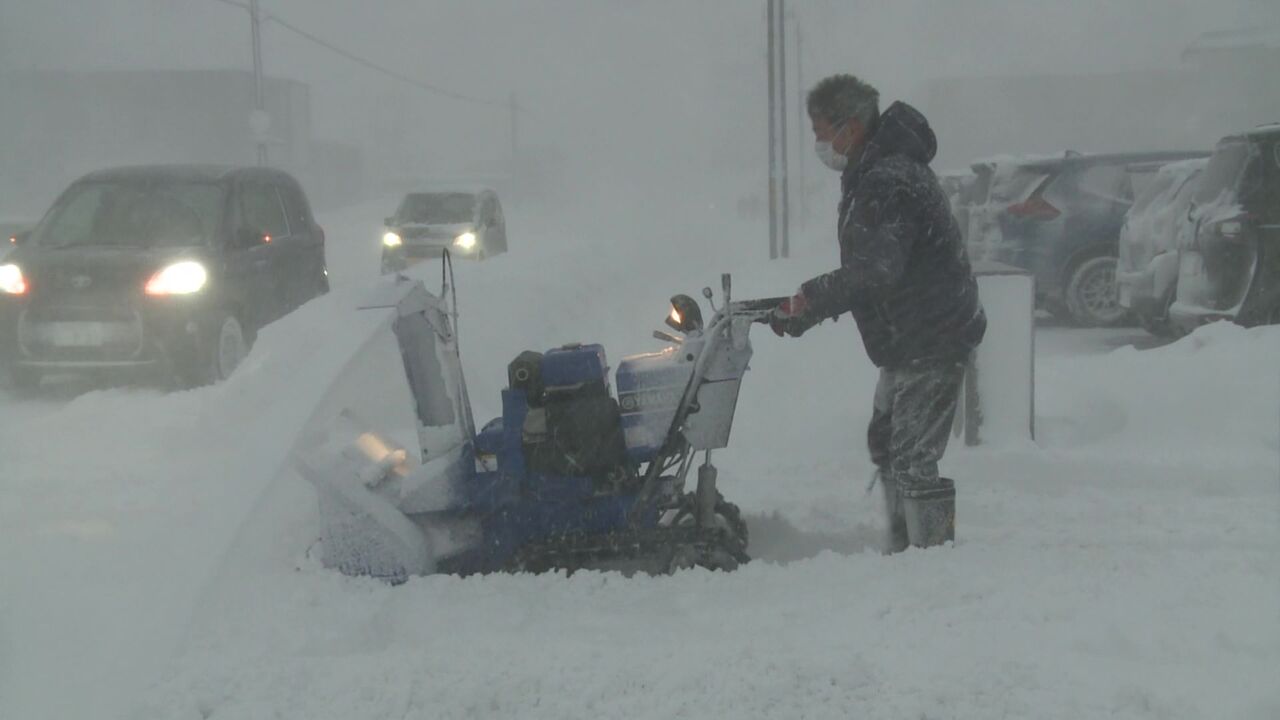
x=827 y=152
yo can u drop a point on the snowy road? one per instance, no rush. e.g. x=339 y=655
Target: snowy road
x=1124 y=566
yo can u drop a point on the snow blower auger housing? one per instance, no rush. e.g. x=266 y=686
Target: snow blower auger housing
x=570 y=476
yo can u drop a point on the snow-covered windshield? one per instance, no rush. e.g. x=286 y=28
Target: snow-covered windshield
x=438 y=208
x=1223 y=171
x=134 y=213
x=1014 y=184
x=1108 y=182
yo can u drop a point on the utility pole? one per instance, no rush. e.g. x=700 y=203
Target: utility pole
x=773 y=148
x=779 y=195
x=800 y=136
x=785 y=198
x=515 y=135
x=259 y=120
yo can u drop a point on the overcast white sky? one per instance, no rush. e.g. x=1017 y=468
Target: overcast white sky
x=622 y=82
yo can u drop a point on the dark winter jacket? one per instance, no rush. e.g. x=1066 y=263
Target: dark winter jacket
x=904 y=273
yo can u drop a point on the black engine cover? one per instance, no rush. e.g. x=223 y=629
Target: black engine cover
x=583 y=435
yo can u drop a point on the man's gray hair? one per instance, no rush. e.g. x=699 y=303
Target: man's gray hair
x=840 y=97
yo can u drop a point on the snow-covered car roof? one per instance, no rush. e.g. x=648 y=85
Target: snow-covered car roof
x=450 y=190
x=182 y=172
x=1137 y=160
x=1183 y=167
x=992 y=161
x=1050 y=161
x=1258 y=37
x=1265 y=130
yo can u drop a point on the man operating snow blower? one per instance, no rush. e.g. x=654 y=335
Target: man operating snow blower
x=905 y=277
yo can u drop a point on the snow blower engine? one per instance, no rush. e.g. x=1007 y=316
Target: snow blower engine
x=570 y=476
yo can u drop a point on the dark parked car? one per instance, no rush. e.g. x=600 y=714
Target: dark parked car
x=1155 y=230
x=167 y=271
x=1232 y=269
x=1064 y=224
x=9 y=232
x=998 y=182
x=468 y=224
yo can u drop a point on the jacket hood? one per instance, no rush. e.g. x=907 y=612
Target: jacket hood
x=901 y=130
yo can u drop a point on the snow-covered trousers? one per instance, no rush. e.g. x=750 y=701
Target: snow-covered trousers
x=914 y=410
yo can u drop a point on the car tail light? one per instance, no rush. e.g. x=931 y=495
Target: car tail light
x=1232 y=228
x=1037 y=208
x=320 y=232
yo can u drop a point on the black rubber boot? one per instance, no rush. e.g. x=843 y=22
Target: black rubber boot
x=895 y=517
x=930 y=513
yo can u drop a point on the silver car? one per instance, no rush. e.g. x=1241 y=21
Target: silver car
x=1154 y=231
x=426 y=224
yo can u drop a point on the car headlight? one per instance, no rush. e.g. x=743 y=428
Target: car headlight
x=391 y=240
x=11 y=280
x=180 y=278
x=466 y=240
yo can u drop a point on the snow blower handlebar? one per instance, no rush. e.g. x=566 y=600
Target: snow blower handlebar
x=728 y=328
x=757 y=310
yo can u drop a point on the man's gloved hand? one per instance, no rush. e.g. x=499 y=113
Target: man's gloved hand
x=792 y=317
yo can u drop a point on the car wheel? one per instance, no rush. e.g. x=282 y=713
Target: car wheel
x=1273 y=317
x=1161 y=326
x=1154 y=326
x=1091 y=293
x=230 y=348
x=391 y=265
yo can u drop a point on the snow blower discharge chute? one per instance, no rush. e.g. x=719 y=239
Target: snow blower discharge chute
x=570 y=477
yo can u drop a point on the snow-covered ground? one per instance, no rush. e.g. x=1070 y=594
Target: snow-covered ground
x=1125 y=565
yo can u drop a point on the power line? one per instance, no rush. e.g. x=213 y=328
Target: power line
x=378 y=68
x=369 y=64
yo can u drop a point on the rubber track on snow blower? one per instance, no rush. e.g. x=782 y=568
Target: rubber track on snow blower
x=654 y=551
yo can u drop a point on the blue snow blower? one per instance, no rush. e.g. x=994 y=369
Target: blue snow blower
x=569 y=477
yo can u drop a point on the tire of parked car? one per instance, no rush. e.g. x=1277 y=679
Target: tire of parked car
x=1158 y=327
x=1162 y=326
x=230 y=345
x=227 y=346
x=1091 y=298
x=1271 y=317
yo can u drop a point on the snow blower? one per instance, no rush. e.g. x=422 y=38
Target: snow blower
x=569 y=477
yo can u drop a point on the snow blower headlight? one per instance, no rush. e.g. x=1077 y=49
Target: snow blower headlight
x=391 y=239
x=685 y=314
